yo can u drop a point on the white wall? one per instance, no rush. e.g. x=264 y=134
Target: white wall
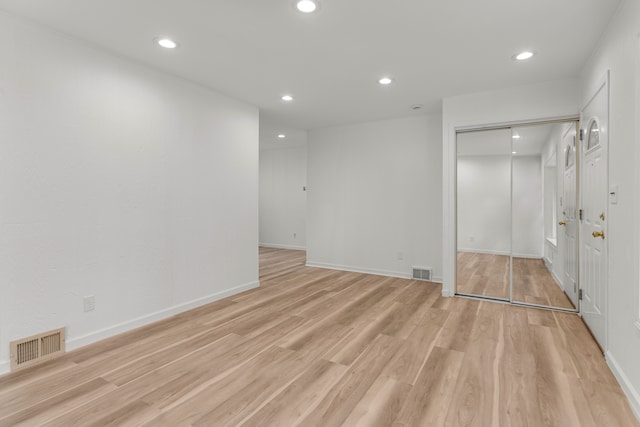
x=374 y=196
x=493 y=217
x=619 y=52
x=513 y=105
x=484 y=204
x=527 y=207
x=117 y=181
x=283 y=203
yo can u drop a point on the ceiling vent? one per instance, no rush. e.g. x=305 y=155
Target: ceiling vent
x=37 y=349
x=420 y=273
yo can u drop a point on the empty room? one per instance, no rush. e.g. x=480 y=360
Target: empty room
x=319 y=213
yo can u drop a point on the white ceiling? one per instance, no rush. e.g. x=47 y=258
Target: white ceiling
x=257 y=50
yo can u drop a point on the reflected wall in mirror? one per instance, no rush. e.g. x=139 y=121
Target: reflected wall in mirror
x=484 y=213
x=516 y=214
x=540 y=252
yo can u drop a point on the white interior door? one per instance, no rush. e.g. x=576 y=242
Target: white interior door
x=568 y=219
x=593 y=190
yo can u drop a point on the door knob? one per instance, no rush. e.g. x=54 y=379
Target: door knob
x=562 y=223
x=598 y=234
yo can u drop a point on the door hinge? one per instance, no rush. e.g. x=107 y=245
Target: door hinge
x=580 y=212
x=581 y=134
x=580 y=294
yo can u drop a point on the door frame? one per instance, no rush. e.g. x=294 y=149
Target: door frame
x=450 y=205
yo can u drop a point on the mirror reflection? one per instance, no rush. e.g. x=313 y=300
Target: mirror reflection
x=484 y=213
x=516 y=224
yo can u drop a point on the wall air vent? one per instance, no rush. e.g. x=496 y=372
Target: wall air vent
x=37 y=349
x=420 y=273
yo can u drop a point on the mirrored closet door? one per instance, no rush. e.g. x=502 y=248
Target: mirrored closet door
x=516 y=216
x=484 y=213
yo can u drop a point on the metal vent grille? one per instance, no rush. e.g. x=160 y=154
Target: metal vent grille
x=421 y=273
x=37 y=349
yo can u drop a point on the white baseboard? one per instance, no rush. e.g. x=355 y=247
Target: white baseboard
x=446 y=293
x=5 y=366
x=110 y=331
x=557 y=280
x=359 y=269
x=279 y=246
x=484 y=251
x=528 y=256
x=506 y=253
x=627 y=387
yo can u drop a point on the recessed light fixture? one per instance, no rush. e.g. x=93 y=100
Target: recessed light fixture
x=522 y=56
x=516 y=137
x=514 y=152
x=282 y=136
x=306 y=6
x=385 y=81
x=167 y=43
x=287 y=98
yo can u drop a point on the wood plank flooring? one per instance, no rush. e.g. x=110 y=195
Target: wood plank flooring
x=314 y=347
x=534 y=284
x=483 y=274
x=488 y=275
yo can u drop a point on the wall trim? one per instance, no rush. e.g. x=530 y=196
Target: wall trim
x=5 y=366
x=528 y=256
x=484 y=251
x=446 y=293
x=631 y=393
x=557 y=280
x=386 y=273
x=506 y=253
x=279 y=246
x=128 y=325
x=364 y=270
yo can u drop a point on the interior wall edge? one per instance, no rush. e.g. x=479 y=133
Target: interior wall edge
x=147 y=319
x=628 y=388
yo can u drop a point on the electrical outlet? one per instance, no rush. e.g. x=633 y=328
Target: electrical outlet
x=295 y=235
x=472 y=239
x=400 y=256
x=89 y=303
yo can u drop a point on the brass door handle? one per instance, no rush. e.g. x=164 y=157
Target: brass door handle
x=562 y=223
x=598 y=234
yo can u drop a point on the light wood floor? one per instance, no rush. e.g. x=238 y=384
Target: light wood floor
x=488 y=275
x=316 y=347
x=533 y=284
x=483 y=274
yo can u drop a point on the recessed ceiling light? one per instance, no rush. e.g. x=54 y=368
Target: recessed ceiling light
x=516 y=137
x=287 y=98
x=385 y=81
x=282 y=136
x=306 y=6
x=167 y=43
x=514 y=152
x=523 y=55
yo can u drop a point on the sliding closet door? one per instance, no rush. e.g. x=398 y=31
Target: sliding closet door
x=540 y=215
x=484 y=213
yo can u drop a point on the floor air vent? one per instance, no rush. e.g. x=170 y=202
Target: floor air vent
x=37 y=349
x=420 y=273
